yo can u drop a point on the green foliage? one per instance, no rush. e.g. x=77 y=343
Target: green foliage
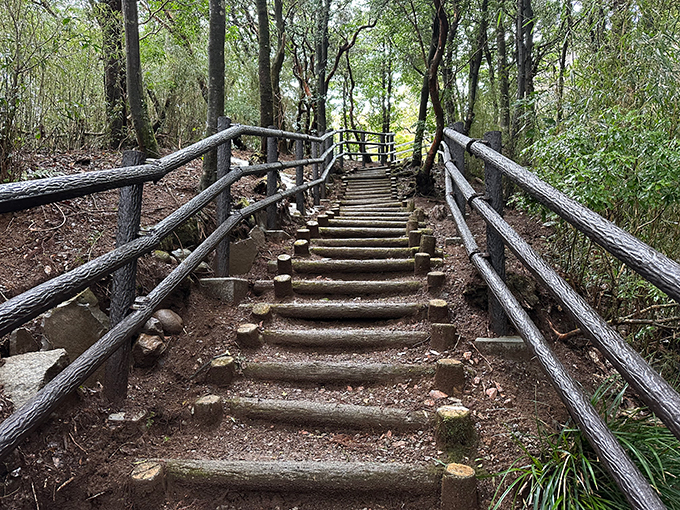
x=566 y=474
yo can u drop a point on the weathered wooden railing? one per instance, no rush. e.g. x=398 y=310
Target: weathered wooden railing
x=382 y=144
x=22 y=308
x=663 y=272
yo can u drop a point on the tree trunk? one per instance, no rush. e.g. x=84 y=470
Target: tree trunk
x=110 y=18
x=277 y=65
x=448 y=73
x=215 y=87
x=525 y=80
x=264 y=69
x=563 y=63
x=475 y=64
x=321 y=47
x=424 y=181
x=503 y=79
x=138 y=110
x=417 y=158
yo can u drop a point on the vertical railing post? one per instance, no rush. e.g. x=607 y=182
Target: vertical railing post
x=393 y=149
x=458 y=157
x=272 y=180
x=362 y=149
x=315 y=172
x=498 y=321
x=329 y=157
x=221 y=266
x=123 y=285
x=383 y=149
x=341 y=148
x=300 y=176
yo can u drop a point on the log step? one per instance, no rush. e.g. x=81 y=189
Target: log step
x=347 y=338
x=371 y=202
x=330 y=266
x=370 y=208
x=381 y=215
x=356 y=287
x=368 y=223
x=302 y=412
x=386 y=242
x=361 y=232
x=290 y=476
x=358 y=252
x=328 y=372
x=347 y=310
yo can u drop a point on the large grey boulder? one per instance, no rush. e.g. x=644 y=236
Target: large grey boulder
x=21 y=341
x=229 y=290
x=75 y=325
x=22 y=376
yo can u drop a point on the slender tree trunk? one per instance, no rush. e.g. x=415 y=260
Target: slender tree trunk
x=321 y=47
x=563 y=63
x=352 y=85
x=138 y=110
x=475 y=64
x=277 y=65
x=424 y=181
x=525 y=82
x=503 y=78
x=417 y=158
x=215 y=86
x=264 y=69
x=110 y=18
x=448 y=73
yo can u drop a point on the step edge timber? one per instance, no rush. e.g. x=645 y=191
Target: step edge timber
x=304 y=412
x=344 y=372
x=304 y=476
x=332 y=338
x=348 y=310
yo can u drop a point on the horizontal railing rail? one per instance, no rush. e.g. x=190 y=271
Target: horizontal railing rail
x=21 y=308
x=652 y=389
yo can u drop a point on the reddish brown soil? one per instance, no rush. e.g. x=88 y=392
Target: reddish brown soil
x=76 y=461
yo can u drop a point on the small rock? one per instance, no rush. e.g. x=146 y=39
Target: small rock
x=171 y=322
x=147 y=349
x=181 y=253
x=153 y=327
x=128 y=421
x=437 y=395
x=163 y=256
x=492 y=393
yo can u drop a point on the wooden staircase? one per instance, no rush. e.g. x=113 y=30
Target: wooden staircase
x=351 y=341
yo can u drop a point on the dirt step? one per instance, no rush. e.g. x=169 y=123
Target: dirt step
x=330 y=266
x=381 y=223
x=390 y=216
x=347 y=372
x=347 y=338
x=370 y=208
x=358 y=252
x=361 y=232
x=348 y=310
x=289 y=476
x=310 y=413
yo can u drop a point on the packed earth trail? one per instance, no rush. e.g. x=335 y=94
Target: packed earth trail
x=313 y=415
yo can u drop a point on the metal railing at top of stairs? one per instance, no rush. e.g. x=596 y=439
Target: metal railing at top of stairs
x=126 y=319
x=657 y=394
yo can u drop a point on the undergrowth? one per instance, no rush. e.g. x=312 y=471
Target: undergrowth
x=565 y=473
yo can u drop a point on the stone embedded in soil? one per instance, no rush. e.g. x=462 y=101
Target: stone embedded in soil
x=22 y=376
x=257 y=234
x=227 y=290
x=242 y=254
x=128 y=421
x=208 y=410
x=221 y=371
x=171 y=322
x=163 y=256
x=153 y=327
x=75 y=325
x=181 y=253
x=147 y=349
x=21 y=341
